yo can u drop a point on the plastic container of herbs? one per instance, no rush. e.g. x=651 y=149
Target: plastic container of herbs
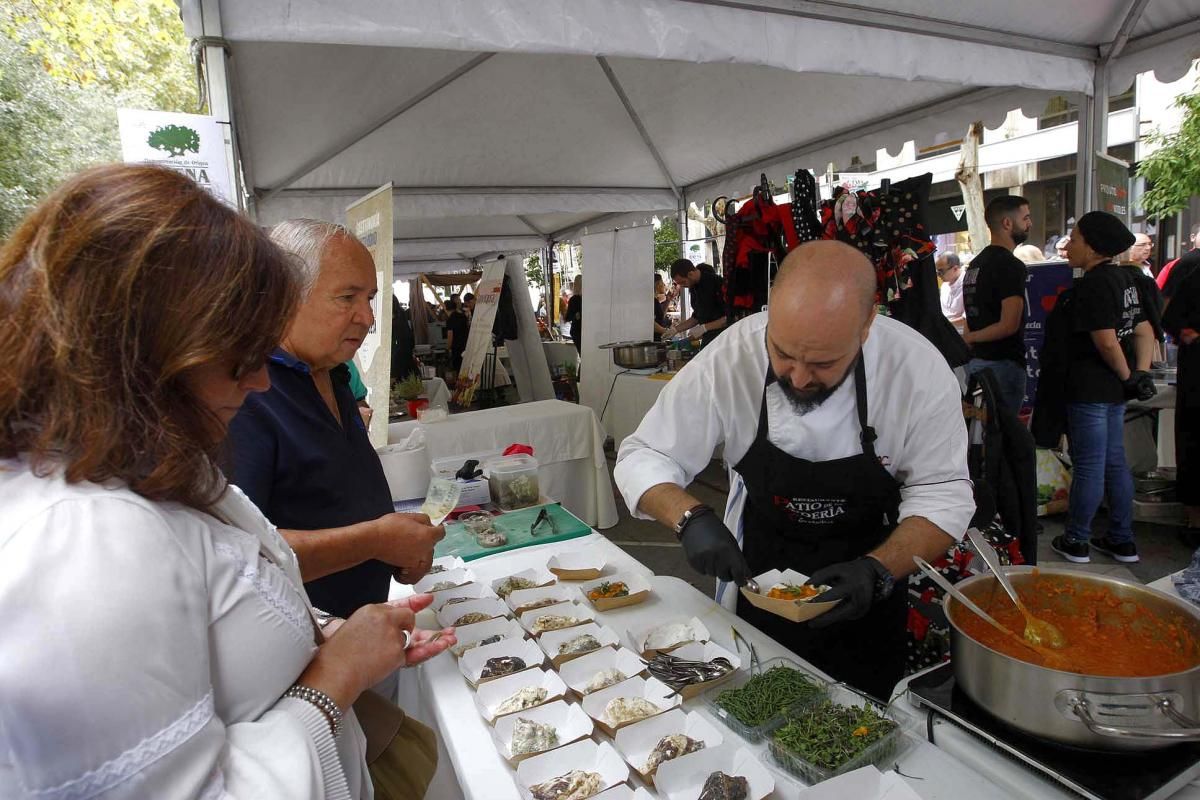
x=836 y=736
x=752 y=712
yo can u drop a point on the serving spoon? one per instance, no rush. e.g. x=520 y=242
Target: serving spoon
x=1037 y=631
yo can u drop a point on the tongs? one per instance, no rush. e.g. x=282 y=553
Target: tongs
x=738 y=641
x=543 y=518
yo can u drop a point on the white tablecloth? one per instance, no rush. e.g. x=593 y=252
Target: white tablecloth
x=559 y=353
x=440 y=696
x=567 y=443
x=633 y=396
x=437 y=392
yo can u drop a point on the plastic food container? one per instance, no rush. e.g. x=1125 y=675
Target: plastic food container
x=513 y=481
x=755 y=733
x=883 y=751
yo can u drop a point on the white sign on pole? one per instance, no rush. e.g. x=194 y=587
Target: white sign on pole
x=189 y=143
x=693 y=251
x=370 y=219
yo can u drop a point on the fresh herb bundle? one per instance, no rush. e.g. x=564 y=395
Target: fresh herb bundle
x=767 y=695
x=829 y=735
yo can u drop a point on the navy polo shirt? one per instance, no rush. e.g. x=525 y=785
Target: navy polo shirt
x=306 y=472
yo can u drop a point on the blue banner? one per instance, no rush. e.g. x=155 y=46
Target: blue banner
x=1043 y=283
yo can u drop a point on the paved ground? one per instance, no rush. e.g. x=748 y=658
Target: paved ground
x=655 y=546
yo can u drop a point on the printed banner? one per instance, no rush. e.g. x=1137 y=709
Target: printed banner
x=1043 y=283
x=479 y=341
x=370 y=219
x=693 y=250
x=190 y=143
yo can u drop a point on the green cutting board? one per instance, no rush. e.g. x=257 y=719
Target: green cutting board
x=458 y=541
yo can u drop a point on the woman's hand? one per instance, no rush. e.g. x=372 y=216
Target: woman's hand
x=425 y=644
x=367 y=648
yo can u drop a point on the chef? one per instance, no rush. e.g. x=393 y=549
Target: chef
x=849 y=456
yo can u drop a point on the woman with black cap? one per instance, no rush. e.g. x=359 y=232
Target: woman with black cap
x=1110 y=350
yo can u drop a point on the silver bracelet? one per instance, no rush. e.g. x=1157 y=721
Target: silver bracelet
x=323 y=617
x=322 y=701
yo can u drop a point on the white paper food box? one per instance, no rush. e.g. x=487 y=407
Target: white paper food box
x=492 y=606
x=521 y=599
x=566 y=718
x=474 y=591
x=651 y=689
x=706 y=652
x=550 y=640
x=540 y=577
x=449 y=562
x=638 y=586
x=639 y=637
x=794 y=610
x=500 y=626
x=624 y=792
x=493 y=693
x=458 y=577
x=635 y=742
x=683 y=778
x=586 y=755
x=578 y=673
x=577 y=565
x=576 y=610
x=471 y=664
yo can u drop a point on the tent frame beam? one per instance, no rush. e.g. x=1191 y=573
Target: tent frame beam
x=404 y=191
x=1122 y=39
x=470 y=238
x=615 y=82
x=353 y=138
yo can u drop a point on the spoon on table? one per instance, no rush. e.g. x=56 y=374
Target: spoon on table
x=937 y=577
x=1037 y=631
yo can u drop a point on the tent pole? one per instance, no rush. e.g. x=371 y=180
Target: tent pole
x=217 y=87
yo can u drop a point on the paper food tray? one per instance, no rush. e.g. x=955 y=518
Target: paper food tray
x=706 y=652
x=540 y=578
x=520 y=600
x=794 y=610
x=493 y=693
x=458 y=577
x=577 y=610
x=577 y=565
x=635 y=742
x=684 y=777
x=492 y=606
x=586 y=755
x=472 y=662
x=569 y=720
x=640 y=645
x=550 y=641
x=449 y=562
x=639 y=590
x=576 y=674
x=624 y=792
x=651 y=689
x=500 y=626
x=473 y=591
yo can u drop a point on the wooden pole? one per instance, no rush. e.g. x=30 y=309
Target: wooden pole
x=968 y=178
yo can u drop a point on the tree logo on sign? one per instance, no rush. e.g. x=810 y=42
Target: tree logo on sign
x=174 y=140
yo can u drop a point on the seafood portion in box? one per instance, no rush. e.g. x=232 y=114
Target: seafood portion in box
x=575 y=772
x=518 y=692
x=577 y=565
x=724 y=772
x=565 y=645
x=522 y=600
x=460 y=594
x=441 y=581
x=666 y=636
x=484 y=633
x=648 y=744
x=471 y=611
x=537 y=730
x=601 y=669
x=788 y=595
x=694 y=668
x=505 y=657
x=556 y=617
x=629 y=701
x=525 y=579
x=616 y=591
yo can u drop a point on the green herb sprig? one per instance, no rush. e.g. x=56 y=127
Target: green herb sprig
x=829 y=735
x=767 y=695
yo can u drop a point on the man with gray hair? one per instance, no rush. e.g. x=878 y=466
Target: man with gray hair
x=300 y=450
x=849 y=457
x=950 y=273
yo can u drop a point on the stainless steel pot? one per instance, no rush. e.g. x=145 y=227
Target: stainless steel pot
x=635 y=355
x=1091 y=711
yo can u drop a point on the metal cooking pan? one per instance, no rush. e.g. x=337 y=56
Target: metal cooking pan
x=636 y=355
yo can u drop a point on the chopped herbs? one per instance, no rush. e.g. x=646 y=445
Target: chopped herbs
x=829 y=735
x=768 y=695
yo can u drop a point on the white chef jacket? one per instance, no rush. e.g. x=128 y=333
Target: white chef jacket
x=144 y=649
x=913 y=401
x=952 y=296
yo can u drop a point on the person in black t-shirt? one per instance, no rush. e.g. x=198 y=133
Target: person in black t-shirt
x=706 y=293
x=994 y=301
x=458 y=328
x=1182 y=321
x=574 y=313
x=1110 y=349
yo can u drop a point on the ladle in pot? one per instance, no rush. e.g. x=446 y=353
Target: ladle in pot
x=1037 y=631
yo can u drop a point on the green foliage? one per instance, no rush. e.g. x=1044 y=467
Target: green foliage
x=410 y=388
x=1173 y=171
x=175 y=140
x=533 y=272
x=666 y=245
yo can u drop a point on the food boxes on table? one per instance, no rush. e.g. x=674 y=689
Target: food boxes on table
x=616 y=591
x=515 y=733
x=597 y=765
x=629 y=701
x=520 y=689
x=577 y=565
x=684 y=778
x=560 y=616
x=638 y=741
x=563 y=646
x=704 y=658
x=599 y=669
x=794 y=610
x=506 y=657
x=668 y=635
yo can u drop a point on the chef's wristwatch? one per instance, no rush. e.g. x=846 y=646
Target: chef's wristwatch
x=885 y=581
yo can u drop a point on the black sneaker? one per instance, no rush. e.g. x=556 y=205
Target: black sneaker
x=1125 y=552
x=1075 y=552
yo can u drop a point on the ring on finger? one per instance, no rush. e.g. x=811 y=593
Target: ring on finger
x=408 y=639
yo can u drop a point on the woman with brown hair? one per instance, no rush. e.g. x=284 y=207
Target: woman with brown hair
x=157 y=640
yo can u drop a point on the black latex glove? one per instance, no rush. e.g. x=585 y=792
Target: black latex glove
x=852 y=582
x=711 y=550
x=1140 y=386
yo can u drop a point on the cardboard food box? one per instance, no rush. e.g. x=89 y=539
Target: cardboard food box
x=473 y=661
x=456 y=577
x=578 y=673
x=641 y=638
x=448 y=563
x=683 y=778
x=624 y=792
x=493 y=607
x=794 y=610
x=635 y=742
x=705 y=652
x=550 y=641
x=579 y=611
x=568 y=720
x=469 y=591
x=499 y=626
x=539 y=577
x=523 y=600
x=577 y=565
x=493 y=693
x=637 y=586
x=651 y=689
x=586 y=755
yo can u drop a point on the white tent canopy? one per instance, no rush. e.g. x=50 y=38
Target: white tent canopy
x=505 y=122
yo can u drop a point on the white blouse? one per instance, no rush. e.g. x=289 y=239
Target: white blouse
x=144 y=649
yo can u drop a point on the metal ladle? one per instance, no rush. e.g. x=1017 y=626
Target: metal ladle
x=1037 y=631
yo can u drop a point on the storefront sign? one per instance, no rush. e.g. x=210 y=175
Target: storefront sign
x=189 y=143
x=693 y=250
x=370 y=219
x=1112 y=178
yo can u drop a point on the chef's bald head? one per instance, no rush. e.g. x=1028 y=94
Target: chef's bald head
x=822 y=306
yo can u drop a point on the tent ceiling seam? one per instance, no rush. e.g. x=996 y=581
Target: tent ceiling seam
x=474 y=237
x=525 y=221
x=1158 y=38
x=1122 y=38
x=358 y=136
x=637 y=121
x=322 y=191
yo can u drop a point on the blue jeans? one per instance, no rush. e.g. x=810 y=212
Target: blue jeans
x=1096 y=433
x=1010 y=377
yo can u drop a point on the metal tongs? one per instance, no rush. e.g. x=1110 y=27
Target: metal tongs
x=543 y=518
x=738 y=641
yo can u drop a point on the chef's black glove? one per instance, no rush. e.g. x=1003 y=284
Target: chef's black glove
x=1140 y=386
x=711 y=549
x=852 y=582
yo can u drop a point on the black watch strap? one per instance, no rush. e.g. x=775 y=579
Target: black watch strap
x=885 y=581
x=698 y=510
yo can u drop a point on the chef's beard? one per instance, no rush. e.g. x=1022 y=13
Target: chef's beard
x=806 y=400
x=1020 y=238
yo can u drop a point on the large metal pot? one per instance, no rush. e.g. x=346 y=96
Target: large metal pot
x=1090 y=711
x=635 y=355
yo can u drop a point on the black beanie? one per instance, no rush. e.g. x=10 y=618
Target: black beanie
x=1104 y=233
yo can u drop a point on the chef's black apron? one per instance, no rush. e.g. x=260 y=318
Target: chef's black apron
x=809 y=514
